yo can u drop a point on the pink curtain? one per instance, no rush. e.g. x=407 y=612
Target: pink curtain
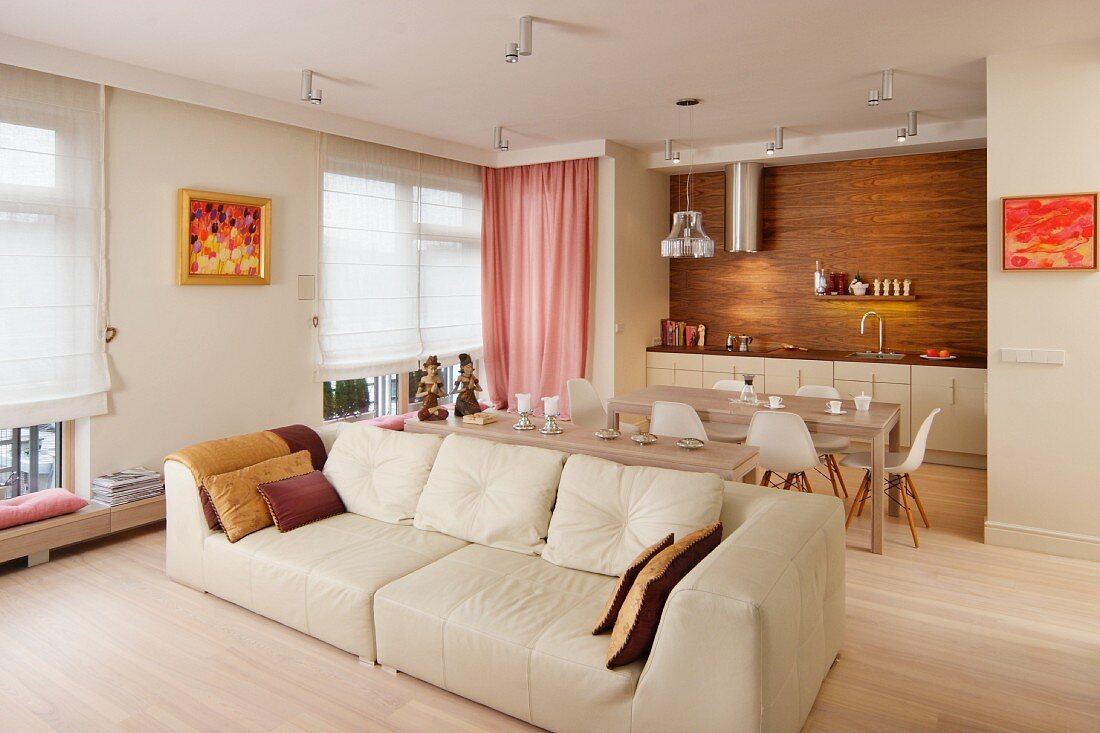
x=535 y=257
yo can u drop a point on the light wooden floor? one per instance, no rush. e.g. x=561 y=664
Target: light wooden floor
x=956 y=636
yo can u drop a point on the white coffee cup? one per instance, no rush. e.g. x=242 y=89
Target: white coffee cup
x=775 y=402
x=834 y=405
x=863 y=402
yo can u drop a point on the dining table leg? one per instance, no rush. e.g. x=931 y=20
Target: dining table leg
x=878 y=499
x=893 y=507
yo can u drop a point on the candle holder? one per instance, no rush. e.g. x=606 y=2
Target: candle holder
x=524 y=422
x=551 y=426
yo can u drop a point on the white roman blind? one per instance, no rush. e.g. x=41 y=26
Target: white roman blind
x=400 y=259
x=52 y=361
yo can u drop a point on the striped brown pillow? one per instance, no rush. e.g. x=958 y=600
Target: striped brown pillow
x=626 y=581
x=299 y=500
x=636 y=627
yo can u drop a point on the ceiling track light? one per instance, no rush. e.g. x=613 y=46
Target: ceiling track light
x=513 y=51
x=308 y=95
x=910 y=129
x=886 y=93
x=670 y=154
x=498 y=139
x=778 y=144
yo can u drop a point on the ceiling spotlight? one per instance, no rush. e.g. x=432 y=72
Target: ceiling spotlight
x=498 y=139
x=513 y=51
x=778 y=144
x=911 y=128
x=902 y=134
x=670 y=154
x=886 y=93
x=308 y=95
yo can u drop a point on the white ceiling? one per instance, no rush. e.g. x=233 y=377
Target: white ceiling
x=601 y=69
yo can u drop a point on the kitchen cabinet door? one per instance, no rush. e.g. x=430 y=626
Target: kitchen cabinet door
x=660 y=377
x=961 y=426
x=785 y=376
x=882 y=392
x=688 y=378
x=709 y=378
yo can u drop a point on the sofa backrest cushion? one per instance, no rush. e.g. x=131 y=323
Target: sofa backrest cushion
x=380 y=473
x=607 y=513
x=491 y=493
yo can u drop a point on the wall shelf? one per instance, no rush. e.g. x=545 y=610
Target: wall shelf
x=876 y=298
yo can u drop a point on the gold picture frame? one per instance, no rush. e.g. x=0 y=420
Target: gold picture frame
x=224 y=239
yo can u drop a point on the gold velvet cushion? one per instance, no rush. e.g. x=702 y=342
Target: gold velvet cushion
x=626 y=582
x=636 y=626
x=236 y=494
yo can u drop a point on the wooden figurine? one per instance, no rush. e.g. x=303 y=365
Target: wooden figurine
x=466 y=387
x=897 y=287
x=905 y=287
x=878 y=286
x=429 y=390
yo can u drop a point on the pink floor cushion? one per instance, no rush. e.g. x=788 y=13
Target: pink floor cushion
x=37 y=506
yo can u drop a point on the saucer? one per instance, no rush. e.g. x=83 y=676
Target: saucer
x=830 y=412
x=765 y=404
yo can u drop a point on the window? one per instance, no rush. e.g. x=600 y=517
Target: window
x=30 y=459
x=400 y=265
x=378 y=396
x=52 y=361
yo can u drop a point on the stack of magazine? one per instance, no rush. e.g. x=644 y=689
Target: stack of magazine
x=122 y=487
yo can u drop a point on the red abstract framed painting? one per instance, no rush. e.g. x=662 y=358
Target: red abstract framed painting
x=224 y=239
x=1049 y=232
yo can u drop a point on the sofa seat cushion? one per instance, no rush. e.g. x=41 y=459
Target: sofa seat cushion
x=510 y=631
x=321 y=578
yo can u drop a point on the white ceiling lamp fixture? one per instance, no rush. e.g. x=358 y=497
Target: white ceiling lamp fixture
x=670 y=154
x=513 y=51
x=875 y=96
x=687 y=238
x=910 y=130
x=308 y=94
x=778 y=144
x=498 y=139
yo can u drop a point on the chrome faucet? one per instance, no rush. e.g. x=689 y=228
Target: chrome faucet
x=863 y=323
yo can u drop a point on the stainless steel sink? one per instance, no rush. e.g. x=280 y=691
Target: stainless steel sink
x=876 y=355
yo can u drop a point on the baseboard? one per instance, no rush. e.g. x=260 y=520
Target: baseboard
x=1048 y=541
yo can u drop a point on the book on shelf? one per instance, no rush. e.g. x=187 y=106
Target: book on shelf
x=678 y=333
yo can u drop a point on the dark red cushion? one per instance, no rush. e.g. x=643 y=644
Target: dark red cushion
x=299 y=500
x=300 y=437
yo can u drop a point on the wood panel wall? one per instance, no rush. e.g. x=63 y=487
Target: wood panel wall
x=921 y=217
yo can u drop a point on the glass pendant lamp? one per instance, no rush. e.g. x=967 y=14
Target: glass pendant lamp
x=687 y=237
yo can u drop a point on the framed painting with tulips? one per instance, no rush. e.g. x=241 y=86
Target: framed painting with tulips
x=1049 y=232
x=224 y=239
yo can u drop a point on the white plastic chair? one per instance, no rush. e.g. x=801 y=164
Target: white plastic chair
x=828 y=446
x=587 y=410
x=727 y=432
x=785 y=448
x=676 y=420
x=899 y=467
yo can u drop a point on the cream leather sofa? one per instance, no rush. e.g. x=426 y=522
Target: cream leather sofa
x=743 y=644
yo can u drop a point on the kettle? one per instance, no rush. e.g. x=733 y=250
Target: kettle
x=743 y=343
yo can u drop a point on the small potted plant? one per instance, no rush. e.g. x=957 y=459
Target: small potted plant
x=857 y=286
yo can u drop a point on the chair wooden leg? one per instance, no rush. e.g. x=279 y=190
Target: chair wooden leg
x=839 y=475
x=767 y=477
x=916 y=498
x=788 y=482
x=909 y=516
x=867 y=480
x=860 y=494
x=827 y=460
x=806 y=483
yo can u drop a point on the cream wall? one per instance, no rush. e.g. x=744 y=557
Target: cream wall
x=198 y=362
x=1043 y=108
x=629 y=276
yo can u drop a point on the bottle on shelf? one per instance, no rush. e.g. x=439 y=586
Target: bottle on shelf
x=729 y=342
x=819 y=279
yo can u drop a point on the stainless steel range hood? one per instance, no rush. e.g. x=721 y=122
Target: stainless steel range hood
x=744 y=209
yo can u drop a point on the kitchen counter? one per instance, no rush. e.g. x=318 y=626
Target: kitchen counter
x=968 y=362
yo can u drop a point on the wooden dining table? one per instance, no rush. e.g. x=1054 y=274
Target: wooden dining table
x=879 y=425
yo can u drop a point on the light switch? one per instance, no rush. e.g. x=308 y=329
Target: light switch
x=307 y=287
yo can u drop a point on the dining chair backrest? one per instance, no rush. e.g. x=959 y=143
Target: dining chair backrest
x=916 y=451
x=676 y=420
x=585 y=406
x=818 y=390
x=784 y=442
x=729 y=385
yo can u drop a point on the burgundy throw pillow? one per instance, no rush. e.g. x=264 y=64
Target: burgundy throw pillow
x=208 y=512
x=610 y=611
x=299 y=500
